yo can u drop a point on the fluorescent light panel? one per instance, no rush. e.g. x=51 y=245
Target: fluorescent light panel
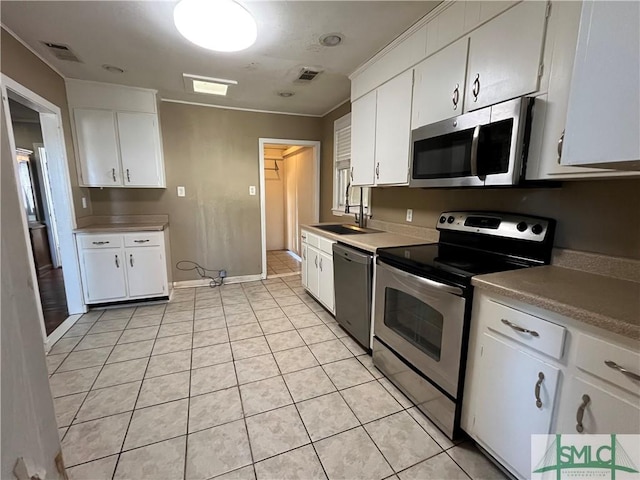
x=207 y=85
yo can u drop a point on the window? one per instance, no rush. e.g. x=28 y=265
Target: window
x=342 y=171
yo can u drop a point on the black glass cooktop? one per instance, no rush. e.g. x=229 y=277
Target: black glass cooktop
x=457 y=264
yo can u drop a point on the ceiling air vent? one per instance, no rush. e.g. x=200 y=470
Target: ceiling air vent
x=307 y=74
x=62 y=52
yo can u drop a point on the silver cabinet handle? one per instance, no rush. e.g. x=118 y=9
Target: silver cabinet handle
x=131 y=259
x=100 y=243
x=351 y=174
x=117 y=262
x=456 y=96
x=128 y=176
x=141 y=241
x=560 y=143
x=378 y=170
x=537 y=390
x=304 y=254
x=476 y=88
x=113 y=174
x=622 y=370
x=520 y=329
x=316 y=261
x=586 y=400
x=320 y=263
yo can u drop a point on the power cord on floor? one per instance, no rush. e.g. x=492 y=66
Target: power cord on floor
x=215 y=281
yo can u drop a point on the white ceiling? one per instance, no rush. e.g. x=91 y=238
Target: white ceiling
x=140 y=37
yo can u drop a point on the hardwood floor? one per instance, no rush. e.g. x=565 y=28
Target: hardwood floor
x=53 y=297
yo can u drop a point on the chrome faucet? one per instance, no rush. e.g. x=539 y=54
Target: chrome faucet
x=360 y=217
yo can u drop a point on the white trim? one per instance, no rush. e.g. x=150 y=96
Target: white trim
x=28 y=47
x=315 y=144
x=69 y=80
x=204 y=282
x=225 y=107
x=348 y=99
x=60 y=331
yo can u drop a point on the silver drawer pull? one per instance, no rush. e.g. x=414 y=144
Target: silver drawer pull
x=537 y=390
x=586 y=400
x=117 y=262
x=100 y=243
x=518 y=328
x=622 y=370
x=141 y=241
x=131 y=260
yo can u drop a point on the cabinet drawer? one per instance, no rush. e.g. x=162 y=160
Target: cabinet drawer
x=100 y=241
x=312 y=240
x=592 y=353
x=539 y=334
x=303 y=236
x=325 y=245
x=143 y=239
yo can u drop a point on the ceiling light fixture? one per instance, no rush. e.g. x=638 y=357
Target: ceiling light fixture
x=220 y=25
x=331 y=40
x=286 y=94
x=206 y=85
x=112 y=68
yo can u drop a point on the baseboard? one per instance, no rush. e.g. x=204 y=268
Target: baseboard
x=204 y=282
x=60 y=331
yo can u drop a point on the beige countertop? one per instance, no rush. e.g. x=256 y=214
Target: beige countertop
x=606 y=302
x=369 y=242
x=122 y=227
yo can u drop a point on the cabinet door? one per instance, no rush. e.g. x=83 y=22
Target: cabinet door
x=604 y=412
x=146 y=272
x=305 y=268
x=327 y=293
x=313 y=271
x=363 y=139
x=505 y=56
x=140 y=150
x=506 y=413
x=438 y=88
x=103 y=273
x=603 y=118
x=97 y=147
x=393 y=130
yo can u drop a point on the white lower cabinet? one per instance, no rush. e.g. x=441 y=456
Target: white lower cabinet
x=317 y=268
x=116 y=267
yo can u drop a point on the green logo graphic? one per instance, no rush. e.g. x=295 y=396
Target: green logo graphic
x=604 y=456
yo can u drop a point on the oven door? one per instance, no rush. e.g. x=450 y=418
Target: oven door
x=422 y=321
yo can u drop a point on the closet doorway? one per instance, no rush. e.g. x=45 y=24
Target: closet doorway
x=289 y=184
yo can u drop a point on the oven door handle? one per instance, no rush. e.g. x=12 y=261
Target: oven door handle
x=424 y=281
x=474 y=151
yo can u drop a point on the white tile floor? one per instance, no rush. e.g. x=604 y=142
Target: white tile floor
x=281 y=262
x=240 y=382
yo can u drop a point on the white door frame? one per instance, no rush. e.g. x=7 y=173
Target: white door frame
x=53 y=139
x=315 y=144
x=40 y=154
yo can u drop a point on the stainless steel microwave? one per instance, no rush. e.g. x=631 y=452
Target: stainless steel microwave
x=487 y=147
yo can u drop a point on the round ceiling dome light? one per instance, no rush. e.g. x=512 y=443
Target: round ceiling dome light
x=331 y=40
x=220 y=25
x=286 y=94
x=112 y=68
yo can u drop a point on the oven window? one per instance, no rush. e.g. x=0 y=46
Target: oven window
x=446 y=156
x=415 y=321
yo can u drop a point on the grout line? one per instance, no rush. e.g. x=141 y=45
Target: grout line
x=186 y=440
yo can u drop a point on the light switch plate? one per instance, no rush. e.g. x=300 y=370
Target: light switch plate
x=181 y=191
x=252 y=190
x=409 y=215
x=84 y=202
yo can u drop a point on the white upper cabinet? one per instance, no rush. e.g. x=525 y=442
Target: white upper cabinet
x=97 y=147
x=438 y=88
x=140 y=149
x=603 y=117
x=505 y=56
x=393 y=130
x=117 y=134
x=363 y=139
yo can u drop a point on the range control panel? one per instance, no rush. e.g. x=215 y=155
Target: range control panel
x=507 y=225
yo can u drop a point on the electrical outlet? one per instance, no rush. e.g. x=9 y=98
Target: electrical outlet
x=84 y=202
x=409 y=215
x=181 y=191
x=252 y=190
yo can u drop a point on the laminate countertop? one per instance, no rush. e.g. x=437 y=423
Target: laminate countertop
x=369 y=242
x=605 y=302
x=122 y=227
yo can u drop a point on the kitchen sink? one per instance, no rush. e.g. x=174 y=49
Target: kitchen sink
x=340 y=229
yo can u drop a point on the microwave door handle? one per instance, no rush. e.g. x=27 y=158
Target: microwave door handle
x=474 y=151
x=425 y=281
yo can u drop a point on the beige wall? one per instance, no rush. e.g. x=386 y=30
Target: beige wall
x=24 y=67
x=326 y=164
x=214 y=154
x=595 y=216
x=274 y=205
x=300 y=195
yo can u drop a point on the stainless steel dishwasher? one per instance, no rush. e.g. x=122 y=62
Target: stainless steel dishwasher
x=352 y=273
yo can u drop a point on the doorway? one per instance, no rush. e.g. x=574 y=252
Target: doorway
x=34 y=129
x=289 y=181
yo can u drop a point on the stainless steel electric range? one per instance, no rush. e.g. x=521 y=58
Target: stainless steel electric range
x=423 y=298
